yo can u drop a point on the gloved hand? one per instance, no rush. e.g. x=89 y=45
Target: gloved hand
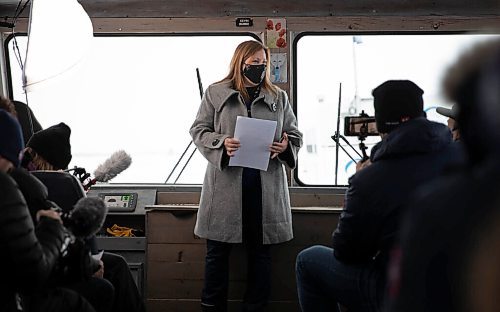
x=76 y=264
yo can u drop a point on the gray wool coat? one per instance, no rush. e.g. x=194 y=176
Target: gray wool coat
x=220 y=213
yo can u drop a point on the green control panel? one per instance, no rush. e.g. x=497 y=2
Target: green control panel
x=119 y=201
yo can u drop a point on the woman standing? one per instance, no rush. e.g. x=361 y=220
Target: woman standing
x=243 y=205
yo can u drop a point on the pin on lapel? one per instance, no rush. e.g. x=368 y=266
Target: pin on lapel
x=274 y=107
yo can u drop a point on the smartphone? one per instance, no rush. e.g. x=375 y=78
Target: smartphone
x=360 y=126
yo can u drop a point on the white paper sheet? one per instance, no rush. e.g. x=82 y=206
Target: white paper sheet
x=255 y=136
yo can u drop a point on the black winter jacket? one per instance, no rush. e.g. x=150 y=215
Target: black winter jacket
x=28 y=254
x=409 y=156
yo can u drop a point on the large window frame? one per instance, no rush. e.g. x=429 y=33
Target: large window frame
x=308 y=123
x=165 y=166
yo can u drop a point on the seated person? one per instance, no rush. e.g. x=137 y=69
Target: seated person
x=50 y=149
x=452 y=120
x=29 y=254
x=95 y=289
x=413 y=151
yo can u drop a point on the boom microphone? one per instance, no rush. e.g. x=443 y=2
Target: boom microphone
x=118 y=162
x=86 y=218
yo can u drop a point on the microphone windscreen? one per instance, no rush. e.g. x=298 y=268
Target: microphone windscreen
x=87 y=217
x=118 y=162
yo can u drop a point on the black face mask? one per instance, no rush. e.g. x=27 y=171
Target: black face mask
x=255 y=73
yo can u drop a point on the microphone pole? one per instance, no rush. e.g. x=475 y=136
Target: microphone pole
x=200 y=88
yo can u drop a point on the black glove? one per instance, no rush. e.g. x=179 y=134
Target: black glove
x=76 y=265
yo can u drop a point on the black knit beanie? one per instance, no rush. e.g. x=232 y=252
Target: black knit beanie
x=396 y=99
x=11 y=138
x=53 y=145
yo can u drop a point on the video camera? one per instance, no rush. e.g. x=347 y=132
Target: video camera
x=360 y=126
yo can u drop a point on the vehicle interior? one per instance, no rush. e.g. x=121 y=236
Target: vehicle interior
x=136 y=82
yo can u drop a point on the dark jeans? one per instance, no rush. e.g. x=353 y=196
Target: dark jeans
x=323 y=282
x=258 y=256
x=98 y=291
x=127 y=297
x=217 y=276
x=47 y=299
x=59 y=299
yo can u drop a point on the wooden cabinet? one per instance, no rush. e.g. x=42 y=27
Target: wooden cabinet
x=176 y=258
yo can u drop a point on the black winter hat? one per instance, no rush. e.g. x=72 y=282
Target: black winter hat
x=396 y=99
x=11 y=138
x=53 y=145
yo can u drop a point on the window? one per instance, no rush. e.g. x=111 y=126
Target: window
x=134 y=93
x=333 y=70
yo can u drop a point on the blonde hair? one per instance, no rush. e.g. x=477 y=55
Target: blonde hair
x=235 y=76
x=38 y=161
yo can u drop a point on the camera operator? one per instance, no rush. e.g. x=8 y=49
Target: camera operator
x=413 y=151
x=50 y=149
x=76 y=270
x=28 y=254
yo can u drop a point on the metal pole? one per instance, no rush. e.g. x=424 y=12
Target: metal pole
x=200 y=87
x=338 y=135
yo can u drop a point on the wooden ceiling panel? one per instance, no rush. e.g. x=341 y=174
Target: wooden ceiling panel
x=266 y=8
